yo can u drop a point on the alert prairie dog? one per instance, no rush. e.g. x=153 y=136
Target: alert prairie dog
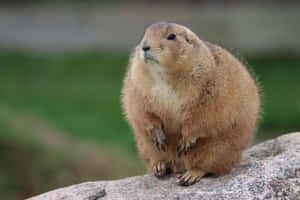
x=192 y=105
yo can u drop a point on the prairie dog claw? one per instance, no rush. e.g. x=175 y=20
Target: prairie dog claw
x=162 y=168
x=190 y=177
x=159 y=138
x=185 y=146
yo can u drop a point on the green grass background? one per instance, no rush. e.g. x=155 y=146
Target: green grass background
x=79 y=94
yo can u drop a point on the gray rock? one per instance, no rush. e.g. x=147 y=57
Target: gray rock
x=270 y=170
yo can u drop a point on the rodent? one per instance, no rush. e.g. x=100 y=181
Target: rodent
x=192 y=105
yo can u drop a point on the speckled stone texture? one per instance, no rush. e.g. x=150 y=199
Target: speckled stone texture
x=270 y=170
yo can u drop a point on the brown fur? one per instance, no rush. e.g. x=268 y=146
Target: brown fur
x=196 y=92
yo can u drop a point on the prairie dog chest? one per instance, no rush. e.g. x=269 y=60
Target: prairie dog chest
x=166 y=98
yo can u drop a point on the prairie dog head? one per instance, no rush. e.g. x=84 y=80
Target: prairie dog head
x=173 y=49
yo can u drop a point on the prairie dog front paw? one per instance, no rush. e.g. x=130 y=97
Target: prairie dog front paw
x=158 y=138
x=185 y=145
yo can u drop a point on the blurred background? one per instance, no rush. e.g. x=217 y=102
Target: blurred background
x=61 y=70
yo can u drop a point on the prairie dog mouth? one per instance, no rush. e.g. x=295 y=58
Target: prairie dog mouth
x=148 y=56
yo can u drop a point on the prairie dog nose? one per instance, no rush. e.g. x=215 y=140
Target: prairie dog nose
x=146 y=48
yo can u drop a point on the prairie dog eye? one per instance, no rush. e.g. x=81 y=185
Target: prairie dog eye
x=172 y=36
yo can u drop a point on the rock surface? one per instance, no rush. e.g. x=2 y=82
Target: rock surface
x=270 y=170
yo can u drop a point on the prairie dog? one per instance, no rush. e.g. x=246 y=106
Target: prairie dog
x=192 y=105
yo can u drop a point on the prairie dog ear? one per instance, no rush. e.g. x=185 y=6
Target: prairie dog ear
x=191 y=38
x=188 y=39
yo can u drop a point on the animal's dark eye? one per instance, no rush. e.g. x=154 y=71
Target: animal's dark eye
x=171 y=36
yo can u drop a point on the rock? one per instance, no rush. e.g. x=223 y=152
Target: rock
x=270 y=170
